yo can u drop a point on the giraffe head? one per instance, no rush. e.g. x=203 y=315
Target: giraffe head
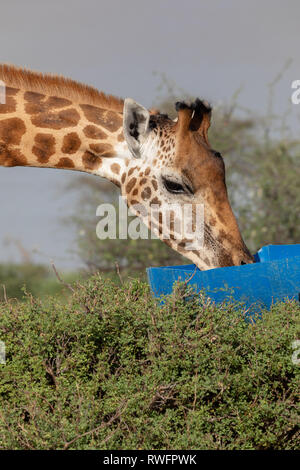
x=175 y=173
x=166 y=169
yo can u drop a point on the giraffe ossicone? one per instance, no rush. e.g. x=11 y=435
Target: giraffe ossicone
x=54 y=122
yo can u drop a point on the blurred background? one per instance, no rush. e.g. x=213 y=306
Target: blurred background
x=242 y=57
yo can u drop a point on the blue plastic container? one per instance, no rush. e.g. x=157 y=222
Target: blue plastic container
x=275 y=276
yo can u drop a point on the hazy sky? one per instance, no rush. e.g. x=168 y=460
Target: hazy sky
x=209 y=48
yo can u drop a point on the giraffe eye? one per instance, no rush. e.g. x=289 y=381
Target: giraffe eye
x=173 y=186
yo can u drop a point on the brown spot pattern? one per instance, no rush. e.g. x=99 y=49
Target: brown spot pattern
x=91 y=161
x=93 y=132
x=57 y=102
x=65 y=162
x=12 y=130
x=146 y=193
x=11 y=157
x=33 y=97
x=134 y=202
x=154 y=184
x=115 y=168
x=106 y=150
x=110 y=120
x=71 y=143
x=34 y=107
x=10 y=91
x=130 y=185
x=44 y=147
x=37 y=103
x=10 y=105
x=56 y=120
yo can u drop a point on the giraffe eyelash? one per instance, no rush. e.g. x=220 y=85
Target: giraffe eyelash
x=175 y=187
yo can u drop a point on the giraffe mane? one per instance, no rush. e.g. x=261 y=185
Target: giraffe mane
x=58 y=85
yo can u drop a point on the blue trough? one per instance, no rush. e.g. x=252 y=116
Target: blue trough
x=275 y=276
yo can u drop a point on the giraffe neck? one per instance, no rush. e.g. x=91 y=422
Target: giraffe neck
x=44 y=130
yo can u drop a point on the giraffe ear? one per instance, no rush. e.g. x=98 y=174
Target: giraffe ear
x=201 y=119
x=135 y=125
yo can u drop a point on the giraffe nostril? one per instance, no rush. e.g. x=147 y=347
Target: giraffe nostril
x=248 y=261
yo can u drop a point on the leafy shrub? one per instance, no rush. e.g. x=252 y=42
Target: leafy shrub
x=111 y=369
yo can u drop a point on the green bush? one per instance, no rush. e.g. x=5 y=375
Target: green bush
x=111 y=369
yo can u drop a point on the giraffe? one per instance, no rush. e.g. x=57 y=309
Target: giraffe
x=54 y=122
